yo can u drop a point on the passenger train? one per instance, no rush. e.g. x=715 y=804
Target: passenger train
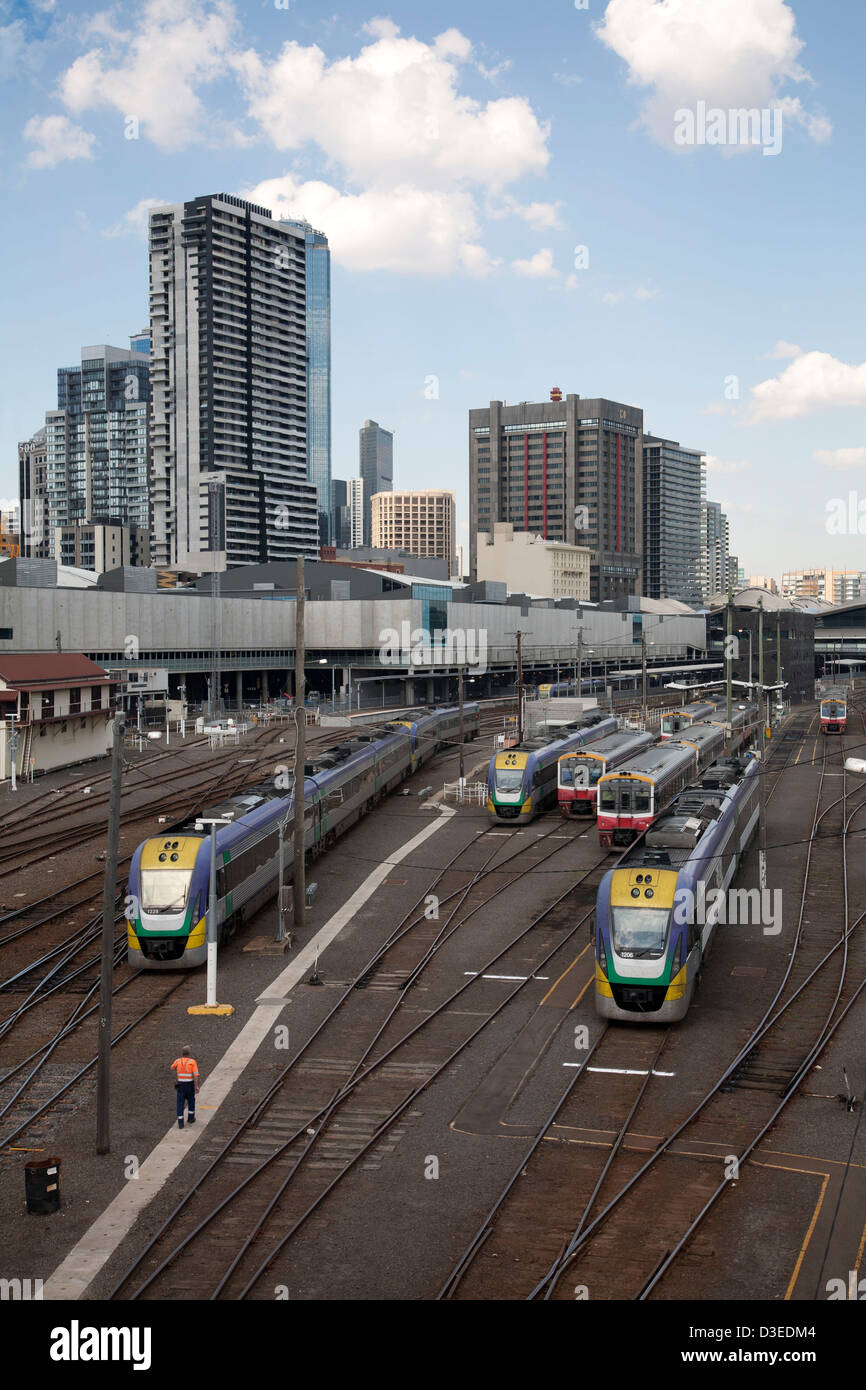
x=658 y=908
x=169 y=874
x=521 y=781
x=679 y=719
x=578 y=772
x=834 y=712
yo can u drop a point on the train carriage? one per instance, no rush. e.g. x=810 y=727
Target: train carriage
x=658 y=908
x=632 y=796
x=834 y=712
x=578 y=772
x=522 y=781
x=676 y=720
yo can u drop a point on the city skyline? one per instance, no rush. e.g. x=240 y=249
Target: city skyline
x=726 y=325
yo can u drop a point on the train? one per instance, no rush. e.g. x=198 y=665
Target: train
x=630 y=799
x=556 y=689
x=678 y=719
x=834 y=712
x=169 y=874
x=578 y=771
x=658 y=908
x=522 y=781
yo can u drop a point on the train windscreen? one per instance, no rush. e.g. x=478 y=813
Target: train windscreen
x=639 y=931
x=164 y=890
x=580 y=772
x=624 y=797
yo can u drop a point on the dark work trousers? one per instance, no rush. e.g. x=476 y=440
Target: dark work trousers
x=186 y=1092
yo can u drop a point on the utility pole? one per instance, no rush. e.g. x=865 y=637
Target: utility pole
x=762 y=837
x=730 y=671
x=109 y=895
x=460 y=731
x=579 y=662
x=299 y=882
x=282 y=897
x=13 y=752
x=643 y=672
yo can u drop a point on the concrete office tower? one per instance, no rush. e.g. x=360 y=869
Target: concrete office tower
x=96 y=443
x=377 y=467
x=715 y=549
x=421 y=523
x=356 y=512
x=568 y=470
x=229 y=372
x=318 y=266
x=674 y=486
x=33 y=494
x=528 y=564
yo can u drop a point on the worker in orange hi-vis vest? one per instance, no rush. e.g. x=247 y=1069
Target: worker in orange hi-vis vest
x=186 y=1085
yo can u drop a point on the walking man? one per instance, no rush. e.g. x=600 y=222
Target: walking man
x=186 y=1085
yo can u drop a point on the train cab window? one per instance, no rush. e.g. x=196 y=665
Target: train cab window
x=641 y=798
x=625 y=799
x=607 y=797
x=640 y=931
x=164 y=890
x=566 y=774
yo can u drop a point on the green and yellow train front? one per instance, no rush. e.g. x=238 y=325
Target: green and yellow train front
x=641 y=970
x=167 y=903
x=509 y=788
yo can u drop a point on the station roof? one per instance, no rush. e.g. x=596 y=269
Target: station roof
x=50 y=670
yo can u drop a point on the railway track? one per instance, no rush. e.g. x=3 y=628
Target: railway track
x=610 y=1250
x=320 y=1120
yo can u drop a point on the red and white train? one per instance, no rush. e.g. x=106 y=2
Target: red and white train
x=578 y=772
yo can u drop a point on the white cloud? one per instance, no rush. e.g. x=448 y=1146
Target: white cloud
x=813 y=381
x=735 y=54
x=617 y=296
x=841 y=458
x=643 y=294
x=154 y=70
x=717 y=465
x=135 y=220
x=406 y=229
x=55 y=139
x=784 y=349
x=538 y=267
x=541 y=217
x=571 y=282
x=613 y=296
x=393 y=113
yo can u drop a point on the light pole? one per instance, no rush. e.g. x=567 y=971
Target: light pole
x=13 y=750
x=211 y=1006
x=282 y=904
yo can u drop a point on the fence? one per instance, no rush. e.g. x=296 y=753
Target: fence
x=465 y=793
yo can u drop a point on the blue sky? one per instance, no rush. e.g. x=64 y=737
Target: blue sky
x=457 y=157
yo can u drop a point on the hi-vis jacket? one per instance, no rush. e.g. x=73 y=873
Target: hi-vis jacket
x=186 y=1068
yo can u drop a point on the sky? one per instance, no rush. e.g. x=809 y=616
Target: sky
x=516 y=198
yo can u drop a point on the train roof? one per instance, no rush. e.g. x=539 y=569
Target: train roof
x=674 y=835
x=611 y=743
x=656 y=760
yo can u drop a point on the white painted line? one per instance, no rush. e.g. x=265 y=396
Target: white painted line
x=507 y=977
x=76 y=1272
x=621 y=1071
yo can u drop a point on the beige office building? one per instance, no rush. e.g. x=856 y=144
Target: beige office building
x=529 y=564
x=421 y=523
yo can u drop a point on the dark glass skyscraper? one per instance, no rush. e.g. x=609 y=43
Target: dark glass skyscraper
x=376 y=467
x=318 y=257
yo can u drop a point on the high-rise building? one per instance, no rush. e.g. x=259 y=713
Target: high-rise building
x=100 y=546
x=714 y=551
x=422 y=523
x=356 y=512
x=229 y=372
x=763 y=581
x=823 y=582
x=567 y=470
x=376 y=467
x=318 y=293
x=96 y=445
x=340 y=532
x=673 y=489
x=32 y=491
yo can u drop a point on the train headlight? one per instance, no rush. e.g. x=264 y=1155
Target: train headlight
x=676 y=963
x=635 y=892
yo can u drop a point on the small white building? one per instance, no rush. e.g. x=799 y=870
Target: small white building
x=60 y=707
x=529 y=564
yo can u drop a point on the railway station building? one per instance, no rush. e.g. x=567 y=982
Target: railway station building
x=55 y=710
